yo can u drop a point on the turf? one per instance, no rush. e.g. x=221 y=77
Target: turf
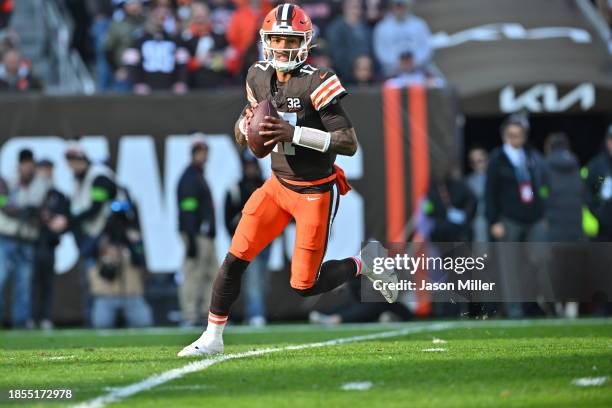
x=483 y=364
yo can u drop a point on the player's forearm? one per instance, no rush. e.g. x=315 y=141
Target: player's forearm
x=343 y=141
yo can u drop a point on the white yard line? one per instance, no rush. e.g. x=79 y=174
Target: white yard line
x=121 y=393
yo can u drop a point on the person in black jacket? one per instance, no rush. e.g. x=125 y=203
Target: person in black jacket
x=257 y=272
x=54 y=216
x=564 y=191
x=197 y=227
x=598 y=179
x=156 y=60
x=514 y=206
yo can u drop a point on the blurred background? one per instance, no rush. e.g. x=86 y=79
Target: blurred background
x=121 y=185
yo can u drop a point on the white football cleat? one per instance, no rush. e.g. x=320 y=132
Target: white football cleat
x=386 y=277
x=204 y=346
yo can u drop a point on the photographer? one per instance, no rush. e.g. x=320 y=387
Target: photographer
x=117 y=284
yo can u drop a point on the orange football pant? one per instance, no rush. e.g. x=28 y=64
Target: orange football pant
x=270 y=209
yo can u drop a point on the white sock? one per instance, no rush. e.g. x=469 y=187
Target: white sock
x=216 y=324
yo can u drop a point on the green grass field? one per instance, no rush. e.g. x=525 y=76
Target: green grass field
x=473 y=364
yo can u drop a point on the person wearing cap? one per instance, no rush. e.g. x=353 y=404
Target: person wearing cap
x=514 y=202
x=54 y=215
x=198 y=231
x=20 y=201
x=256 y=279
x=598 y=178
x=90 y=209
x=401 y=31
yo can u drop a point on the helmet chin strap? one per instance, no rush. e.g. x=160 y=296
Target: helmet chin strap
x=286 y=66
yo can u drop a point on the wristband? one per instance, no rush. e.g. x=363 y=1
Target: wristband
x=311 y=138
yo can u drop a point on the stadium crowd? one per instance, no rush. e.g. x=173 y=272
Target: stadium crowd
x=180 y=45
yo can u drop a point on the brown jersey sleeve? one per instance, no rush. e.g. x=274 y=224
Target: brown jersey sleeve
x=334 y=117
x=250 y=85
x=325 y=89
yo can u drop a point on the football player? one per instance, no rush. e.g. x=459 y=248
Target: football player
x=305 y=184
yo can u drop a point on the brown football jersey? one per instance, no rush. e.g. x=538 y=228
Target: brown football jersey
x=310 y=98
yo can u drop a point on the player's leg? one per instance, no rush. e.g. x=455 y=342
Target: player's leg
x=262 y=221
x=314 y=215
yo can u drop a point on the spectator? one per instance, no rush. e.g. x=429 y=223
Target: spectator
x=183 y=10
x=20 y=202
x=401 y=32
x=6 y=10
x=514 y=208
x=244 y=27
x=54 y=214
x=476 y=181
x=15 y=75
x=82 y=14
x=348 y=37
x=221 y=15
x=90 y=208
x=101 y=10
x=321 y=12
x=119 y=38
x=257 y=273
x=564 y=191
x=408 y=73
x=197 y=228
x=171 y=24
x=207 y=65
x=363 y=71
x=598 y=179
x=155 y=59
x=374 y=11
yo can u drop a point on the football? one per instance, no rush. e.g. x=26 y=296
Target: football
x=256 y=142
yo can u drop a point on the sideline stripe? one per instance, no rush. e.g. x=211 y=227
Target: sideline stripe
x=419 y=144
x=394 y=163
x=419 y=174
x=121 y=393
